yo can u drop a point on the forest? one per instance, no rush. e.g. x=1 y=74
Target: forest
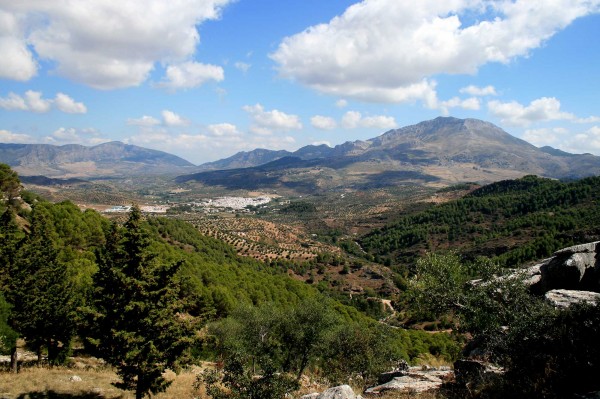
x=512 y=222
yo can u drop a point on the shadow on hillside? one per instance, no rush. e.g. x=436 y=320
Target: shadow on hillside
x=57 y=395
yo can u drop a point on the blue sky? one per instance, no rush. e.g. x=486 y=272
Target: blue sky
x=204 y=79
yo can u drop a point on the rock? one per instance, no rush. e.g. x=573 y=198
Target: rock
x=75 y=378
x=590 y=247
x=341 y=392
x=400 y=370
x=566 y=298
x=415 y=380
x=572 y=268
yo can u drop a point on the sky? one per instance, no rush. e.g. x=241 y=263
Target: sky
x=205 y=79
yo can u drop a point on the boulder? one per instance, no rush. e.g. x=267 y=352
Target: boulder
x=572 y=268
x=341 y=392
x=75 y=378
x=414 y=380
x=566 y=298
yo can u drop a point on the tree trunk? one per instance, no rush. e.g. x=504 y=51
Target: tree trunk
x=39 y=356
x=139 y=393
x=14 y=358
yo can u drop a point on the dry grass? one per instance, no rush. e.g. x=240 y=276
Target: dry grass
x=42 y=383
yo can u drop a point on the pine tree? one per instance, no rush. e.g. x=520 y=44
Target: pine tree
x=10 y=240
x=43 y=297
x=141 y=327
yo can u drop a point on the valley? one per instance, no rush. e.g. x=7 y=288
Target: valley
x=375 y=243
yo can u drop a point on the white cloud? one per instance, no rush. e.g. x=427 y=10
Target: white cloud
x=323 y=122
x=546 y=136
x=7 y=136
x=327 y=143
x=103 y=44
x=267 y=122
x=71 y=135
x=223 y=129
x=540 y=110
x=13 y=102
x=200 y=148
x=190 y=74
x=589 y=119
x=34 y=102
x=479 y=91
x=387 y=50
x=351 y=119
x=341 y=103
x=17 y=61
x=559 y=137
x=144 y=121
x=472 y=104
x=586 y=142
x=354 y=119
x=66 y=104
x=242 y=66
x=170 y=118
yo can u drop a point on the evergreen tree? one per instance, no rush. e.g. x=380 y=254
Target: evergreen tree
x=140 y=324
x=43 y=297
x=10 y=185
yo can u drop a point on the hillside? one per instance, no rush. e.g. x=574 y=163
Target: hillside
x=514 y=221
x=438 y=152
x=108 y=159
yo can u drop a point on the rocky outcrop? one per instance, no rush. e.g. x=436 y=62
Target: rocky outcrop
x=572 y=268
x=566 y=298
x=341 y=392
x=414 y=380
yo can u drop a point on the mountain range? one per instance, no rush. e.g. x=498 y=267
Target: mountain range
x=442 y=151
x=437 y=152
x=73 y=160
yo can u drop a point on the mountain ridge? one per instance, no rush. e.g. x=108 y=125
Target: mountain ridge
x=441 y=151
x=74 y=160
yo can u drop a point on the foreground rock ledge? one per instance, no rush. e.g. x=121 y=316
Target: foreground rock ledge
x=414 y=380
x=341 y=392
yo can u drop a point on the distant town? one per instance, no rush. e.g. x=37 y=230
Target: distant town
x=219 y=204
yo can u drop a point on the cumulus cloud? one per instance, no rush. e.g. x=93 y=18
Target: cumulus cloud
x=87 y=136
x=387 y=50
x=553 y=137
x=66 y=104
x=472 y=104
x=34 y=102
x=6 y=136
x=354 y=119
x=479 y=91
x=587 y=141
x=341 y=103
x=207 y=146
x=17 y=61
x=191 y=74
x=170 y=118
x=223 y=129
x=267 y=122
x=323 y=122
x=540 y=110
x=144 y=121
x=103 y=44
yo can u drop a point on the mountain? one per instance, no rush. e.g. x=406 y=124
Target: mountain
x=73 y=160
x=438 y=152
x=261 y=156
